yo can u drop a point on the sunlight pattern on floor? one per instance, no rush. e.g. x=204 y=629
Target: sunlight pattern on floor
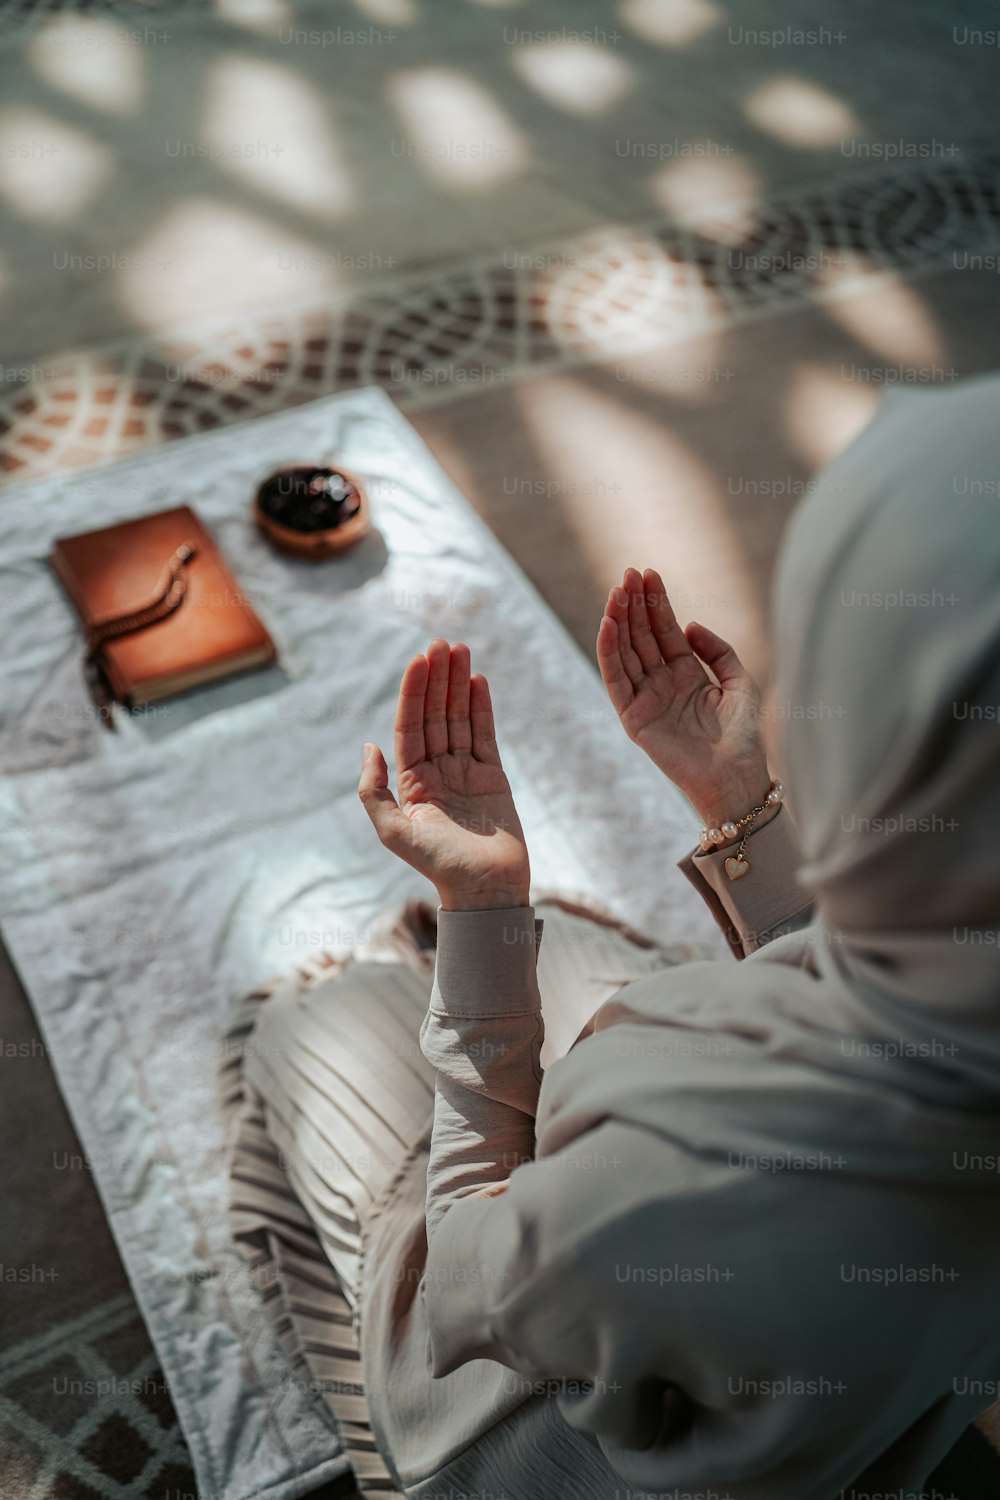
x=432 y=336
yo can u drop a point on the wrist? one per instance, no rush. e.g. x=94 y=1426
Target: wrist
x=733 y=800
x=717 y=819
x=759 y=821
x=489 y=898
x=720 y=832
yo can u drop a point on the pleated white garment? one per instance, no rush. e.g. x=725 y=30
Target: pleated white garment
x=328 y=1099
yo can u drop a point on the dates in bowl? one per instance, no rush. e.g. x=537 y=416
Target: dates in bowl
x=312 y=510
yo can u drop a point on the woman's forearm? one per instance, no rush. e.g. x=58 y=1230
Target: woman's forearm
x=483 y=1035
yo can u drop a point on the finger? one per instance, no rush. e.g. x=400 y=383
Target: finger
x=459 y=723
x=668 y=635
x=377 y=799
x=410 y=715
x=717 y=654
x=643 y=642
x=484 y=743
x=436 y=699
x=609 y=659
x=617 y=609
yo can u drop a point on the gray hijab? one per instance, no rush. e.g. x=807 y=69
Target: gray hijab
x=862 y=1053
x=894 y=781
x=889 y=609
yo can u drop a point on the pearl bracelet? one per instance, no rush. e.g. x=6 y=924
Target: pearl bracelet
x=736 y=866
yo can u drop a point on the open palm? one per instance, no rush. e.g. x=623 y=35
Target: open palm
x=703 y=734
x=455 y=820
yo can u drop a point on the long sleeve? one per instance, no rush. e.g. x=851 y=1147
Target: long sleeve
x=483 y=1034
x=766 y=903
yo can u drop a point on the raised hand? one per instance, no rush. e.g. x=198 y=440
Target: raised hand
x=703 y=734
x=455 y=820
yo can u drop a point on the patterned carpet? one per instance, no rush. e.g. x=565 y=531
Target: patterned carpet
x=85 y=1414
x=81 y=1416
x=492 y=321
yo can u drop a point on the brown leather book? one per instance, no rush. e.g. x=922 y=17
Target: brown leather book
x=159 y=621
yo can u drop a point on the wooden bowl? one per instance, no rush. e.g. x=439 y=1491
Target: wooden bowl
x=325 y=542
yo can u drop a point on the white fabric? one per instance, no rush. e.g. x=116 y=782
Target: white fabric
x=148 y=877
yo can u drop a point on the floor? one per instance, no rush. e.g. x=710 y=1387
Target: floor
x=634 y=270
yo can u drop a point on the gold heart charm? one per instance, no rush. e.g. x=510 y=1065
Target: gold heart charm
x=736 y=868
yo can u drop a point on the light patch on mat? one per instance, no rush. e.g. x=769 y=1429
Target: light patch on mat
x=92 y=60
x=389 y=12
x=800 y=113
x=694 y=372
x=201 y=250
x=582 y=78
x=891 y=319
x=670 y=23
x=691 y=187
x=50 y=171
x=257 y=15
x=269 y=127
x=456 y=131
x=823 y=412
x=629 y=481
